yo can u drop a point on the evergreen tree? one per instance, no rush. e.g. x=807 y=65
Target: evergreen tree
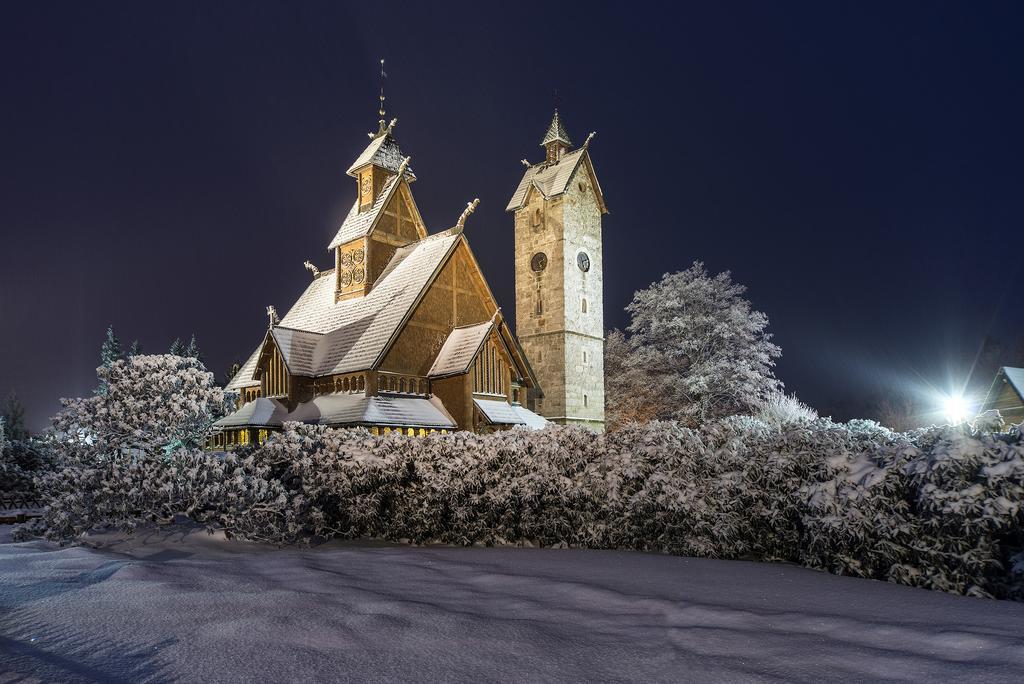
x=13 y=415
x=135 y=349
x=177 y=348
x=192 y=350
x=110 y=351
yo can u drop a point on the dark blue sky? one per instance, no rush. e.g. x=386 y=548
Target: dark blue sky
x=167 y=168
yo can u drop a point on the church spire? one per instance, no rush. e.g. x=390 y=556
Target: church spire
x=382 y=128
x=556 y=140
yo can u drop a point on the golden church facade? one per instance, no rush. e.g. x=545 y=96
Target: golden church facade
x=403 y=333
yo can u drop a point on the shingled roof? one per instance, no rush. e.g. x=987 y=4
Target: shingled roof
x=359 y=223
x=556 y=131
x=383 y=151
x=244 y=376
x=319 y=336
x=552 y=179
x=459 y=350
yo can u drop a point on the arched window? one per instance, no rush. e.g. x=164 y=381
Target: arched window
x=583 y=305
x=539 y=308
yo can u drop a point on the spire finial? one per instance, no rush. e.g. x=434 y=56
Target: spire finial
x=382 y=124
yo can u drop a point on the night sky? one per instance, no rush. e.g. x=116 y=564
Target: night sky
x=168 y=167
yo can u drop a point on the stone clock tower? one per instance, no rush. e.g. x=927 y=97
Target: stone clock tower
x=559 y=280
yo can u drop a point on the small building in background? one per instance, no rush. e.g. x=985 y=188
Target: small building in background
x=1006 y=395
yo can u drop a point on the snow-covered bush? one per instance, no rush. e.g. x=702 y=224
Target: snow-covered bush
x=781 y=409
x=938 y=508
x=21 y=460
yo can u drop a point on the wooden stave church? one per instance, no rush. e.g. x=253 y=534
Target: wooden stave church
x=403 y=334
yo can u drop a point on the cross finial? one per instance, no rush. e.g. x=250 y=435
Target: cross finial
x=272 y=315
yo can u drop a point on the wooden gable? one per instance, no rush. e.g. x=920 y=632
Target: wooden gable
x=272 y=371
x=457 y=296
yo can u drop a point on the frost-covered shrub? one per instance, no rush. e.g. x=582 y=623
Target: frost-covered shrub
x=21 y=460
x=938 y=508
x=781 y=409
x=125 y=489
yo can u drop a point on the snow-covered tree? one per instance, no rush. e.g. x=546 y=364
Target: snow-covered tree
x=110 y=351
x=192 y=350
x=697 y=349
x=13 y=416
x=177 y=348
x=625 y=400
x=232 y=371
x=151 y=402
x=135 y=349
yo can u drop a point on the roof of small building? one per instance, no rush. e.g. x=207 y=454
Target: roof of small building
x=319 y=336
x=383 y=151
x=259 y=412
x=459 y=350
x=1015 y=376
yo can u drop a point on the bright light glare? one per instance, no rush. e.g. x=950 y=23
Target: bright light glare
x=956 y=409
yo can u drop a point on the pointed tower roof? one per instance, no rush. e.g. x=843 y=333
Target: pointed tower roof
x=383 y=151
x=556 y=132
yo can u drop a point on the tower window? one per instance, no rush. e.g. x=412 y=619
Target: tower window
x=584 y=356
x=584 y=400
x=583 y=305
x=539 y=309
x=536 y=218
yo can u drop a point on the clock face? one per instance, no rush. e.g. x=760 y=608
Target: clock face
x=539 y=262
x=583 y=261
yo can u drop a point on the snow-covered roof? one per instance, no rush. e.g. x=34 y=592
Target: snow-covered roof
x=459 y=350
x=243 y=378
x=256 y=413
x=383 y=151
x=502 y=413
x=1015 y=376
x=552 y=179
x=319 y=336
x=383 y=409
x=556 y=131
x=359 y=223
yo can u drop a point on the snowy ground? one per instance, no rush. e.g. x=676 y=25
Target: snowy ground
x=183 y=605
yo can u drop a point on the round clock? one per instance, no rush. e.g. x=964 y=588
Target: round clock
x=583 y=261
x=539 y=262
